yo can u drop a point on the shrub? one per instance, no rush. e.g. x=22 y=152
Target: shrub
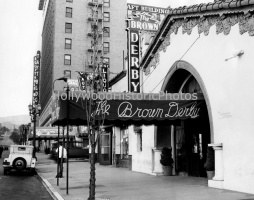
x=166 y=157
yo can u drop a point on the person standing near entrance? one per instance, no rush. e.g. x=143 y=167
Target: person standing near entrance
x=61 y=156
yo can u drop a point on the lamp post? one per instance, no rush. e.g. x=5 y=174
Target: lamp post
x=34 y=110
x=65 y=79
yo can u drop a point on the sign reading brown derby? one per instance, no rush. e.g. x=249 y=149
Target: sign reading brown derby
x=115 y=111
x=136 y=110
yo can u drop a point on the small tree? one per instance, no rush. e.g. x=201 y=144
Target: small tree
x=1 y=133
x=4 y=129
x=94 y=84
x=15 y=137
x=166 y=157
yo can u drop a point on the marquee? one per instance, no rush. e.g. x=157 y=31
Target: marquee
x=48 y=133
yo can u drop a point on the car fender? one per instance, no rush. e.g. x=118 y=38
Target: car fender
x=33 y=162
x=6 y=163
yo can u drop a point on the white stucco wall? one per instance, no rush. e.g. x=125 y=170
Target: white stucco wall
x=229 y=87
x=117 y=140
x=121 y=85
x=142 y=160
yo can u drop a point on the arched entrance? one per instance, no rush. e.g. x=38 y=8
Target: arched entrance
x=188 y=139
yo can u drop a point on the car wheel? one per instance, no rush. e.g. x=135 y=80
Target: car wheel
x=33 y=172
x=19 y=164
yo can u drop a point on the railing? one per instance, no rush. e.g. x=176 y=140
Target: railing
x=90 y=49
x=95 y=2
x=92 y=18
x=89 y=63
x=91 y=34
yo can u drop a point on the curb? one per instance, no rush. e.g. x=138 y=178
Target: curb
x=54 y=194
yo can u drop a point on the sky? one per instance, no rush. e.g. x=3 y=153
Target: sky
x=20 y=30
x=20 y=22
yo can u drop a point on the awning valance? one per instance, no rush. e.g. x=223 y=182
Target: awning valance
x=121 y=111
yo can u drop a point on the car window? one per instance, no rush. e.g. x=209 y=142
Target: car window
x=21 y=148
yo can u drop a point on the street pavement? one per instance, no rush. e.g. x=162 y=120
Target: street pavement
x=124 y=184
x=21 y=185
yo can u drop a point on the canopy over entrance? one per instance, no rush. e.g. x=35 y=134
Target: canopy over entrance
x=47 y=133
x=127 y=108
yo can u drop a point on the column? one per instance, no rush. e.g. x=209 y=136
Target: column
x=173 y=148
x=157 y=167
x=217 y=181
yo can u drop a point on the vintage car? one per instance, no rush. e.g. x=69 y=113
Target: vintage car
x=20 y=158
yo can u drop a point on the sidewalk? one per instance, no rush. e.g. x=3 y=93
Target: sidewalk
x=123 y=184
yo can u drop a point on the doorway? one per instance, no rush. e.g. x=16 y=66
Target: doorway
x=191 y=136
x=105 y=147
x=191 y=141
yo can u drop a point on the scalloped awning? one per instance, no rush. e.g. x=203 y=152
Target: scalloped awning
x=121 y=111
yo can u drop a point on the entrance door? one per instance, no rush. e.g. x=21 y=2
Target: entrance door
x=105 y=148
x=191 y=139
x=197 y=139
x=193 y=136
x=195 y=154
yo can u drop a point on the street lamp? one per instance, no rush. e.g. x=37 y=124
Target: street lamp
x=65 y=79
x=34 y=110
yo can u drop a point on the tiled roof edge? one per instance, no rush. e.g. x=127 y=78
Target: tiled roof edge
x=198 y=10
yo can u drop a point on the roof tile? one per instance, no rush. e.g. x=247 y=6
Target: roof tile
x=195 y=9
x=215 y=6
x=244 y=2
x=203 y=8
x=225 y=5
x=219 y=4
x=232 y=4
x=209 y=7
x=185 y=9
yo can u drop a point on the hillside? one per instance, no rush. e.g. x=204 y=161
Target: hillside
x=12 y=121
x=9 y=125
x=19 y=119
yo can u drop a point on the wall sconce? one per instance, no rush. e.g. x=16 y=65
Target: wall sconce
x=239 y=53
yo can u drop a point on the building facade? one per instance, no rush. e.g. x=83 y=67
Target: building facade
x=142 y=24
x=205 y=48
x=67 y=42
